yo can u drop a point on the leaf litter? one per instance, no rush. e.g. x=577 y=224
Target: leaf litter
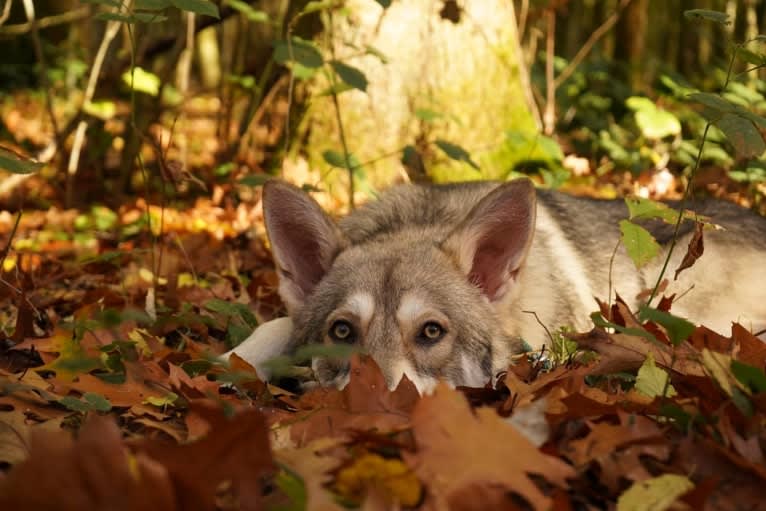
x=103 y=407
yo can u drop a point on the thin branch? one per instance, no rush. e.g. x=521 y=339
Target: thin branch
x=112 y=27
x=687 y=192
x=47 y=22
x=549 y=114
x=588 y=45
x=523 y=14
x=29 y=8
x=7 y=248
x=6 y=12
x=336 y=103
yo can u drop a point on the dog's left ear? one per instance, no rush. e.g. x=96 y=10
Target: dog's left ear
x=492 y=243
x=304 y=240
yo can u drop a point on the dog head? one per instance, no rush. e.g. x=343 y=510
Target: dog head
x=422 y=301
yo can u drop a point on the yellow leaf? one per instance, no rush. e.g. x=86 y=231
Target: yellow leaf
x=718 y=364
x=391 y=476
x=651 y=380
x=656 y=494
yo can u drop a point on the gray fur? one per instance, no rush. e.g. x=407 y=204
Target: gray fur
x=407 y=242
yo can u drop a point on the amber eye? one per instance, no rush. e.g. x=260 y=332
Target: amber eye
x=342 y=331
x=430 y=333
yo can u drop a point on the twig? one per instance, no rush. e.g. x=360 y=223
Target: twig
x=6 y=12
x=29 y=9
x=539 y=321
x=523 y=13
x=549 y=114
x=334 y=93
x=611 y=267
x=687 y=192
x=47 y=22
x=112 y=27
x=588 y=45
x=7 y=248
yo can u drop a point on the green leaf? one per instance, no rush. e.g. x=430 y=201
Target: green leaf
x=743 y=135
x=203 y=7
x=17 y=165
x=136 y=17
x=640 y=208
x=657 y=124
x=111 y=3
x=166 y=400
x=303 y=52
x=707 y=14
x=102 y=109
x=599 y=321
x=718 y=106
x=74 y=404
x=254 y=180
x=651 y=380
x=371 y=50
x=337 y=159
x=318 y=5
x=742 y=402
x=653 y=122
x=678 y=329
x=142 y=81
x=152 y=5
x=293 y=487
x=640 y=245
x=222 y=306
x=90 y=402
x=425 y=114
x=637 y=103
x=752 y=377
x=456 y=152
x=224 y=169
x=336 y=89
x=751 y=57
x=384 y=3
x=97 y=402
x=196 y=367
x=350 y=75
x=248 y=11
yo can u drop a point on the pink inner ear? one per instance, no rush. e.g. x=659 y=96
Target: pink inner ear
x=497 y=236
x=497 y=260
x=303 y=239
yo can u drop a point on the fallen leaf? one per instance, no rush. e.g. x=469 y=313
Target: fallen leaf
x=656 y=494
x=694 y=250
x=456 y=448
x=312 y=463
x=95 y=471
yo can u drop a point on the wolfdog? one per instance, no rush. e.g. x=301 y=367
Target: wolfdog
x=439 y=282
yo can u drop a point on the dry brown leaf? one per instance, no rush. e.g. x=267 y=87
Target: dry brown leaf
x=313 y=464
x=234 y=456
x=365 y=403
x=694 y=250
x=457 y=449
x=95 y=471
x=622 y=352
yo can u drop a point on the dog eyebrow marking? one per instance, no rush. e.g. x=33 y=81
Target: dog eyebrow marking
x=410 y=308
x=362 y=304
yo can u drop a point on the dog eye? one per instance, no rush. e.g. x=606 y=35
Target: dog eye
x=430 y=333
x=342 y=331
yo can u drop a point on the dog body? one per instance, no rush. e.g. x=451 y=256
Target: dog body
x=438 y=282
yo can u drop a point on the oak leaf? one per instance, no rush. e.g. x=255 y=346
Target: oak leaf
x=457 y=449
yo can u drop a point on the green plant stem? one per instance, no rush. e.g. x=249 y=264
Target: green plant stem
x=687 y=191
x=336 y=103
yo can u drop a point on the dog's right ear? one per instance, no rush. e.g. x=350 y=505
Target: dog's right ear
x=304 y=240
